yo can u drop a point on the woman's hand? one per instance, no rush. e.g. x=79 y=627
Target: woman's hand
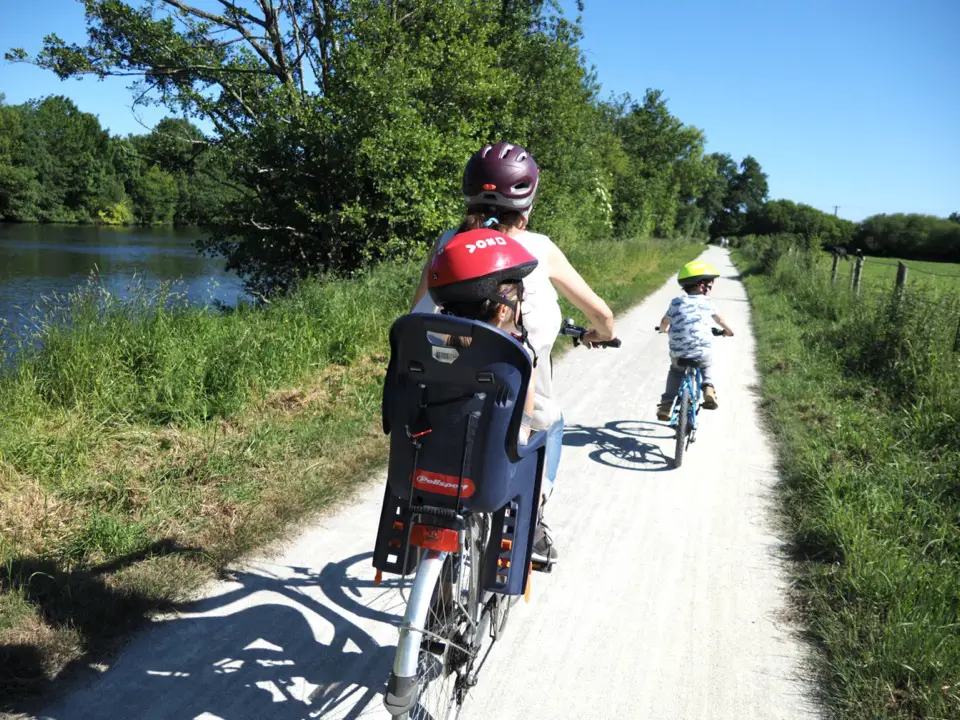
x=594 y=336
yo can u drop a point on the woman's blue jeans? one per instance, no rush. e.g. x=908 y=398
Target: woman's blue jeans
x=552 y=461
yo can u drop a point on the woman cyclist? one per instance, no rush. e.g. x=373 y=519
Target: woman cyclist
x=499 y=185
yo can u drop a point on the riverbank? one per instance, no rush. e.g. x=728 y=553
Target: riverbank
x=148 y=444
x=39 y=264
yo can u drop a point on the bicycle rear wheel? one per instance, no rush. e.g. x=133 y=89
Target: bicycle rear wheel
x=683 y=425
x=449 y=640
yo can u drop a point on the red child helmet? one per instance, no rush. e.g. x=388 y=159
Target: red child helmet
x=472 y=264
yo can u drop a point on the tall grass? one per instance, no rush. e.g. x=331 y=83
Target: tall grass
x=145 y=443
x=152 y=357
x=863 y=396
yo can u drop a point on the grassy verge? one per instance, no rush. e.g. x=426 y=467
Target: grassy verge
x=863 y=398
x=149 y=443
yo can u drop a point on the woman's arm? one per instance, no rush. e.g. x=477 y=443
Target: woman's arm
x=424 y=274
x=528 y=407
x=575 y=289
x=422 y=287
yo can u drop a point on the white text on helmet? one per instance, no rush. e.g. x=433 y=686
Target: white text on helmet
x=481 y=244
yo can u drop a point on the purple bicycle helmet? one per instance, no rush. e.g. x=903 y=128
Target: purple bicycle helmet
x=503 y=175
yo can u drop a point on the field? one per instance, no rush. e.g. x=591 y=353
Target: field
x=882 y=273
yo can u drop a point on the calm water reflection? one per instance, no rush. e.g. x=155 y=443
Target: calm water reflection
x=40 y=260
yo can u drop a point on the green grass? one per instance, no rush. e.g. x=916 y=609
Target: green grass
x=863 y=399
x=145 y=444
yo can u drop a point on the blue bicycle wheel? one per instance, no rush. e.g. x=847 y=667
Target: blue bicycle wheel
x=683 y=418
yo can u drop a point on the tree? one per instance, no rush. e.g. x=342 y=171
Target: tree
x=664 y=171
x=69 y=151
x=199 y=167
x=910 y=236
x=155 y=197
x=19 y=189
x=747 y=190
x=720 y=171
x=346 y=123
x=785 y=217
x=55 y=163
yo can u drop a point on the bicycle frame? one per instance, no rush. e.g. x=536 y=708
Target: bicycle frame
x=692 y=380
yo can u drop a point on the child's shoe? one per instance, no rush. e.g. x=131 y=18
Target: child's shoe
x=709 y=398
x=663 y=411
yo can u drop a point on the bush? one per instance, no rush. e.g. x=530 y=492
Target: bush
x=117 y=214
x=766 y=250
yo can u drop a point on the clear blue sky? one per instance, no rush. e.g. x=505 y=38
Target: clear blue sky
x=853 y=103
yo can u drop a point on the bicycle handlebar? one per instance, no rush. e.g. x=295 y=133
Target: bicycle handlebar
x=715 y=330
x=576 y=333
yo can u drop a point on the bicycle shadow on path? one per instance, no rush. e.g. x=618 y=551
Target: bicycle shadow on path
x=620 y=444
x=280 y=642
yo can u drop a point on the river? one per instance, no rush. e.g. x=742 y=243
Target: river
x=38 y=261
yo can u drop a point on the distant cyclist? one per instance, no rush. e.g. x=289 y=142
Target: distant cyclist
x=499 y=185
x=688 y=319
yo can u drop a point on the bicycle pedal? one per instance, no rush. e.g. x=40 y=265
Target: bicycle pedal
x=544 y=567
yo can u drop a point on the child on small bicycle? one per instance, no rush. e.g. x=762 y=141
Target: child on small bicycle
x=691 y=333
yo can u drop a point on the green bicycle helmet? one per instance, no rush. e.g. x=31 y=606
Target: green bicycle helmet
x=695 y=271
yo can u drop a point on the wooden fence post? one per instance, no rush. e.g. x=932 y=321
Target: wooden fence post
x=857 y=272
x=836 y=267
x=901 y=277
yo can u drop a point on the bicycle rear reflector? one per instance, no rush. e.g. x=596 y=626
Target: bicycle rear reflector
x=435 y=538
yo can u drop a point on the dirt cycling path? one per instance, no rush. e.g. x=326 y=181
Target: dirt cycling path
x=668 y=601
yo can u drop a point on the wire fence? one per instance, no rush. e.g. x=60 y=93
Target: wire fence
x=948 y=300
x=912 y=268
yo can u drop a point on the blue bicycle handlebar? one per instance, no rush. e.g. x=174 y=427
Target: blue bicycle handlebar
x=716 y=331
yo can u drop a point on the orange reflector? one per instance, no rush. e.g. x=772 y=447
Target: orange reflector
x=489 y=186
x=506 y=544
x=503 y=563
x=397 y=525
x=435 y=538
x=526 y=593
x=378 y=578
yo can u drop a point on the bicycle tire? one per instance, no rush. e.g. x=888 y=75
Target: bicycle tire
x=455 y=608
x=683 y=418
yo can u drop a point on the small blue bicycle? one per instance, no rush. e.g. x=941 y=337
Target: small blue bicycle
x=683 y=417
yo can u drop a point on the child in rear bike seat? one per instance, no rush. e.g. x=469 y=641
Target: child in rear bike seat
x=479 y=275
x=691 y=334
